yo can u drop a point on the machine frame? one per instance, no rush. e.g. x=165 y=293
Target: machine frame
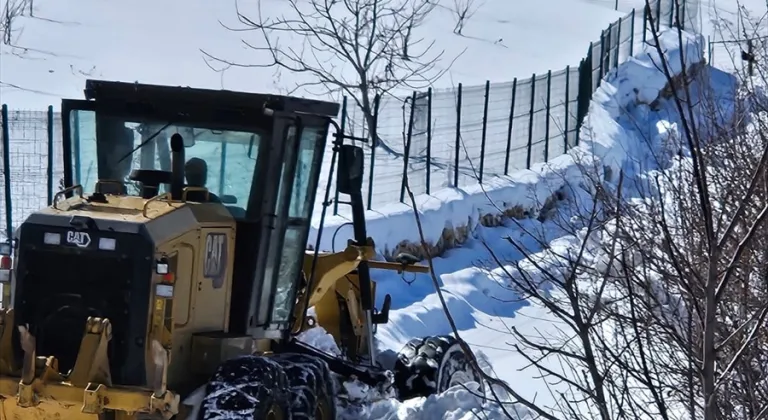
x=225 y=109
x=338 y=284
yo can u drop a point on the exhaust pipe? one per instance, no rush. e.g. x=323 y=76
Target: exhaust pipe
x=177 y=166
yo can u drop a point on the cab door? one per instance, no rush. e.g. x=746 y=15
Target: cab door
x=214 y=280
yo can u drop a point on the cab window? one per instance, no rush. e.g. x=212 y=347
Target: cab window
x=226 y=157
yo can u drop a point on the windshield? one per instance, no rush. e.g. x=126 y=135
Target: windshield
x=228 y=156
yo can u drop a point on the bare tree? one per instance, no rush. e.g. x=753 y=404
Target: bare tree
x=10 y=12
x=661 y=296
x=664 y=298
x=463 y=11
x=360 y=48
x=11 y=30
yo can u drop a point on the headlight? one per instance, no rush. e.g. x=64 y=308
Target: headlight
x=107 y=244
x=52 y=238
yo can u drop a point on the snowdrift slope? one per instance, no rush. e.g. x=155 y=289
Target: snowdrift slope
x=482 y=305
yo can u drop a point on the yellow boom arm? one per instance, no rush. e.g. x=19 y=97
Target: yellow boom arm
x=333 y=278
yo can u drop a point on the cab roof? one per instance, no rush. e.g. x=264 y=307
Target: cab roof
x=159 y=95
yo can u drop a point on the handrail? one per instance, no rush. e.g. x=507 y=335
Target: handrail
x=64 y=192
x=166 y=196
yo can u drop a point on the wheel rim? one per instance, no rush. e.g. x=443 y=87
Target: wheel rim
x=455 y=369
x=462 y=377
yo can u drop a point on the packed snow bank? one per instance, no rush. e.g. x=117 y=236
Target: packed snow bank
x=484 y=308
x=638 y=81
x=452 y=212
x=452 y=208
x=477 y=291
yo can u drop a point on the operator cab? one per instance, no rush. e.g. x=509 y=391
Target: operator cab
x=258 y=155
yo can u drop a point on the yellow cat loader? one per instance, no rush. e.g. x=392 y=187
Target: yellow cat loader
x=140 y=285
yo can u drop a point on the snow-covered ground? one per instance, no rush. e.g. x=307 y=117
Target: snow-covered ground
x=483 y=306
x=163 y=50
x=160 y=42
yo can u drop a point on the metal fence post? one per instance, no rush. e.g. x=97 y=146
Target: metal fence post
x=429 y=137
x=7 y=171
x=602 y=56
x=567 y=106
x=632 y=35
x=658 y=17
x=373 y=132
x=485 y=128
x=646 y=8
x=530 y=122
x=605 y=52
x=618 y=45
x=50 y=155
x=509 y=127
x=458 y=140
x=343 y=127
x=585 y=92
x=546 y=123
x=407 y=151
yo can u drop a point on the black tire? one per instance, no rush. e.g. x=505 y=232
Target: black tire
x=246 y=387
x=428 y=366
x=311 y=386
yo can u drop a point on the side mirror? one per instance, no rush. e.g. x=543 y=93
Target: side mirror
x=349 y=178
x=228 y=199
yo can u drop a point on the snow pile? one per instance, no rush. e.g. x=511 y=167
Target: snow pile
x=363 y=402
x=452 y=207
x=454 y=404
x=638 y=81
x=605 y=133
x=622 y=131
x=320 y=339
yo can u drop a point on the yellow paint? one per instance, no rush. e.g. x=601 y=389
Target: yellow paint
x=196 y=309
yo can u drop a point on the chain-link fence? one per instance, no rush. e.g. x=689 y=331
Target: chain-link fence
x=454 y=137
x=32 y=163
x=666 y=12
x=675 y=13
x=439 y=138
x=457 y=137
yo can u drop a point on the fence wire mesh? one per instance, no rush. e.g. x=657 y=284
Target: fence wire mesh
x=461 y=135
x=669 y=12
x=28 y=156
x=438 y=138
